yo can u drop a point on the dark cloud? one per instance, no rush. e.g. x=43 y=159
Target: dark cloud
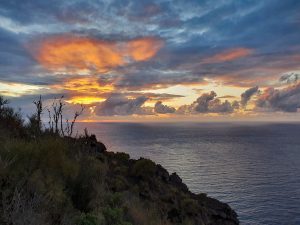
x=153 y=96
x=160 y=108
x=290 y=78
x=155 y=79
x=227 y=96
x=208 y=103
x=246 y=96
x=142 y=10
x=216 y=106
x=285 y=100
x=15 y=61
x=119 y=105
x=202 y=103
x=30 y=12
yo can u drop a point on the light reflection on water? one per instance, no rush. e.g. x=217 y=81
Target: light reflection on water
x=254 y=168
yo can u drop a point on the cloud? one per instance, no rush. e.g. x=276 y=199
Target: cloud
x=229 y=55
x=216 y=106
x=91 y=89
x=143 y=48
x=285 y=100
x=163 y=109
x=202 y=103
x=119 y=105
x=141 y=11
x=148 y=78
x=227 y=96
x=65 y=53
x=153 y=96
x=18 y=89
x=69 y=53
x=246 y=96
x=208 y=103
x=289 y=78
x=84 y=90
x=137 y=46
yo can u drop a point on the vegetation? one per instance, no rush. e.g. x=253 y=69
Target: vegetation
x=49 y=177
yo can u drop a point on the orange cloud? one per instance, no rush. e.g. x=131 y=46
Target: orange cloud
x=85 y=100
x=144 y=48
x=85 y=90
x=229 y=55
x=75 y=54
x=85 y=85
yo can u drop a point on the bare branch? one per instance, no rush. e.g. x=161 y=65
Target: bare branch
x=77 y=113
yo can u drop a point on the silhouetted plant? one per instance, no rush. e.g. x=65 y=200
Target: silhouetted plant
x=70 y=127
x=39 y=110
x=3 y=102
x=35 y=122
x=10 y=118
x=57 y=107
x=56 y=122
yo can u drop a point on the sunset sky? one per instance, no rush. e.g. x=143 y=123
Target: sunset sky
x=154 y=60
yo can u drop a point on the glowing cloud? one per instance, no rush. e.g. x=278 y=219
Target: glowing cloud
x=144 y=48
x=84 y=90
x=85 y=84
x=76 y=54
x=85 y=100
x=229 y=55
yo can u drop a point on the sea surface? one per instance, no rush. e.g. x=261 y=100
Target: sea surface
x=255 y=168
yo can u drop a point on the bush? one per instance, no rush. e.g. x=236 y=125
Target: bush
x=143 y=168
x=114 y=216
x=88 y=219
x=121 y=156
x=114 y=211
x=10 y=120
x=190 y=206
x=119 y=183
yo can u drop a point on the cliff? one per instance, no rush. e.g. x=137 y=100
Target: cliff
x=47 y=178
x=54 y=180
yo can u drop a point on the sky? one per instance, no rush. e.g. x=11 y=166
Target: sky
x=128 y=60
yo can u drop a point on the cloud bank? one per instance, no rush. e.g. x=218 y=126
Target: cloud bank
x=285 y=100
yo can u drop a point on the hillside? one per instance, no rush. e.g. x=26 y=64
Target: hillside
x=47 y=178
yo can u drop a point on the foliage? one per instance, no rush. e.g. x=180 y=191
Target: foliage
x=144 y=168
x=122 y=156
x=88 y=219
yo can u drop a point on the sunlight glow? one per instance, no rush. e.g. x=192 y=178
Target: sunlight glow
x=75 y=54
x=85 y=90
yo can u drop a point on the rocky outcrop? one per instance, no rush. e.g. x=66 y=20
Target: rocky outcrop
x=168 y=193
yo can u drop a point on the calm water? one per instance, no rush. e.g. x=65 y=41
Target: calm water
x=254 y=168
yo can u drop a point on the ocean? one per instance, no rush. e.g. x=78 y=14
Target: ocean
x=255 y=168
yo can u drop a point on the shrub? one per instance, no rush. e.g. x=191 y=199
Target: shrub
x=10 y=120
x=122 y=156
x=88 y=219
x=114 y=216
x=114 y=211
x=119 y=183
x=143 y=168
x=190 y=205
